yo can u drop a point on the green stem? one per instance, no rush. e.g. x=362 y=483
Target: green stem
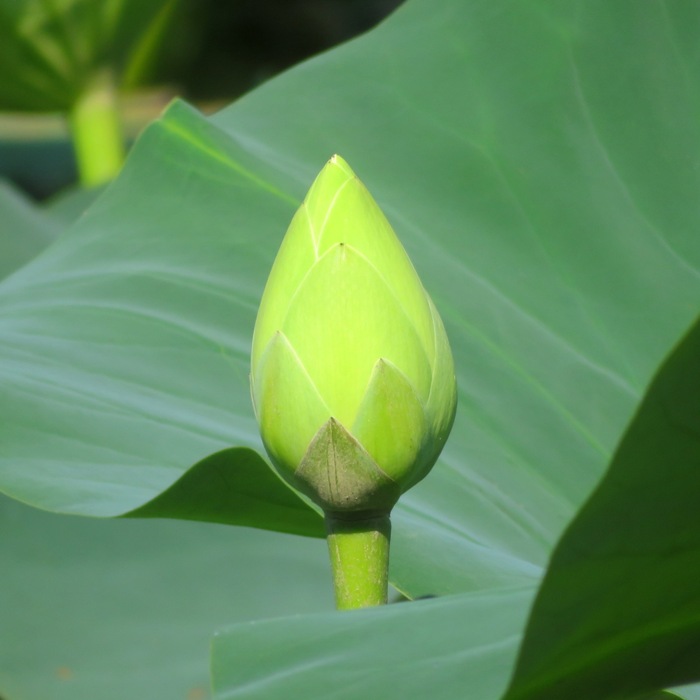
x=359 y=551
x=97 y=136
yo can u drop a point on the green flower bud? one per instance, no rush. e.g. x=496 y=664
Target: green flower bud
x=352 y=376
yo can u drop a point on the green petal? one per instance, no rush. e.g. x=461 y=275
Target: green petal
x=320 y=198
x=442 y=403
x=340 y=476
x=289 y=409
x=391 y=423
x=295 y=257
x=341 y=321
x=351 y=216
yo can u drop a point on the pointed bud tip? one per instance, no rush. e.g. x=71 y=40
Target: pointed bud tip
x=340 y=162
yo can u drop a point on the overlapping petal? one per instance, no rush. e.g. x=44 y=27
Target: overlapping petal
x=352 y=217
x=442 y=402
x=342 y=319
x=295 y=258
x=289 y=409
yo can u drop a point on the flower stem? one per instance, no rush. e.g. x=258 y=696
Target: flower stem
x=359 y=551
x=97 y=137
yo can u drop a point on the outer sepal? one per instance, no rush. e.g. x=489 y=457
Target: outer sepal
x=391 y=423
x=339 y=475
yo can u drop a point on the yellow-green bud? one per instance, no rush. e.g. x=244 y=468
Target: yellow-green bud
x=352 y=375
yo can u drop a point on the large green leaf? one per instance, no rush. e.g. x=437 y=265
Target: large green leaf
x=49 y=51
x=689 y=692
x=408 y=650
x=66 y=206
x=68 y=626
x=125 y=609
x=235 y=482
x=411 y=652
x=140 y=389
x=24 y=230
x=235 y=487
x=618 y=612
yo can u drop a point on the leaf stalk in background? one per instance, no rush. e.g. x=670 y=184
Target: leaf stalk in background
x=97 y=134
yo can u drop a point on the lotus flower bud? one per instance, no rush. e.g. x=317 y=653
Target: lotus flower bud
x=352 y=375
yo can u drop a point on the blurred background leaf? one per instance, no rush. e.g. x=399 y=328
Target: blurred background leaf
x=206 y=50
x=50 y=51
